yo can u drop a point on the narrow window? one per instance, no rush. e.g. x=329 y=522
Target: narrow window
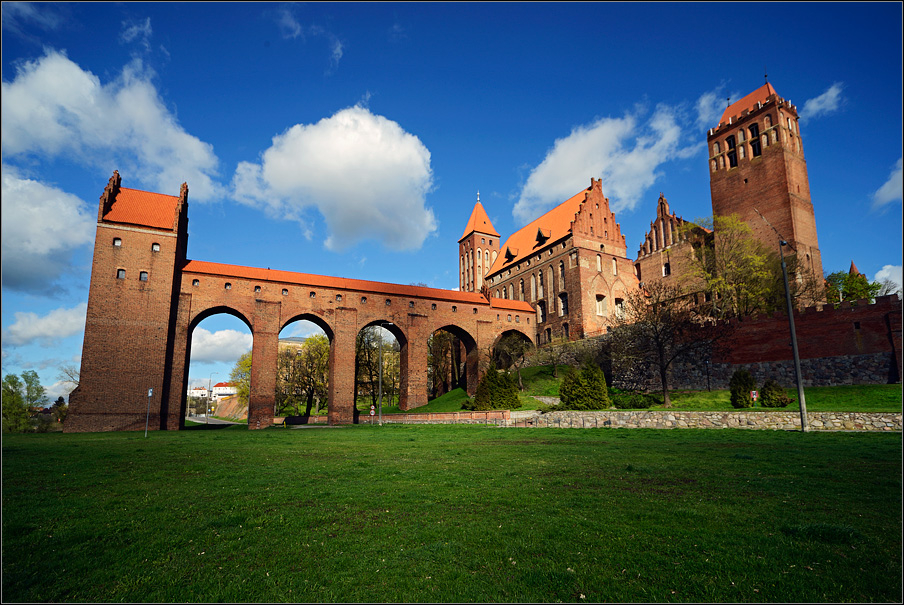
x=196 y=282
x=614 y=267
x=155 y=247
x=510 y=318
x=521 y=290
x=257 y=289
x=363 y=300
x=600 y=304
x=716 y=149
x=143 y=276
x=475 y=310
x=599 y=263
x=517 y=319
x=285 y=292
x=228 y=286
x=454 y=309
x=666 y=269
x=117 y=242
x=388 y=302
x=533 y=288
x=541 y=311
x=565 y=331
x=548 y=334
x=313 y=295
x=120 y=274
x=637 y=271
x=410 y=304
x=561 y=274
x=620 y=307
x=563 y=304
x=338 y=298
x=732 y=152
x=433 y=307
x=511 y=290
x=755 y=150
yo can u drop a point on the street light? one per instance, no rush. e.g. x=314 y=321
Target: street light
x=800 y=385
x=207 y=405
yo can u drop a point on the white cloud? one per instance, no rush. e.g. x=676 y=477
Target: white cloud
x=53 y=107
x=41 y=227
x=363 y=172
x=624 y=152
x=891 y=273
x=828 y=102
x=223 y=345
x=711 y=105
x=141 y=32
x=45 y=330
x=893 y=189
x=44 y=15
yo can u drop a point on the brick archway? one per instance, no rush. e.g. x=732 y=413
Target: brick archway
x=137 y=333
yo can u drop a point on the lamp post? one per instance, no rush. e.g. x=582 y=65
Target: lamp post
x=800 y=386
x=207 y=405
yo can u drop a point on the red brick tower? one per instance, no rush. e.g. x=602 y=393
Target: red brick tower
x=757 y=165
x=139 y=253
x=477 y=250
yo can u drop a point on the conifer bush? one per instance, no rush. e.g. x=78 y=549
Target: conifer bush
x=772 y=395
x=741 y=384
x=584 y=389
x=496 y=391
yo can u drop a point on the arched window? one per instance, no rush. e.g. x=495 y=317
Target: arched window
x=521 y=290
x=614 y=267
x=755 y=141
x=600 y=304
x=533 y=287
x=732 y=153
x=666 y=269
x=540 y=286
x=511 y=290
x=563 y=304
x=155 y=247
x=117 y=242
x=599 y=263
x=561 y=275
x=716 y=149
x=767 y=121
x=196 y=282
x=541 y=311
x=120 y=274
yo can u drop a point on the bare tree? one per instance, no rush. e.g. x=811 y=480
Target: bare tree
x=69 y=374
x=658 y=326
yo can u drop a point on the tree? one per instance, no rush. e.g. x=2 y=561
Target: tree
x=512 y=350
x=441 y=363
x=845 y=285
x=240 y=376
x=741 y=276
x=660 y=325
x=740 y=386
x=59 y=409
x=495 y=391
x=35 y=393
x=584 y=389
x=367 y=364
x=69 y=374
x=15 y=412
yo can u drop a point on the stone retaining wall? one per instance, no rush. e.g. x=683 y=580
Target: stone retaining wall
x=659 y=419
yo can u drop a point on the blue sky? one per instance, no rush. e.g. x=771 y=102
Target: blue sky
x=352 y=139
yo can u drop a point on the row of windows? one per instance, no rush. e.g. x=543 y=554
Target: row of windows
x=117 y=242
x=121 y=274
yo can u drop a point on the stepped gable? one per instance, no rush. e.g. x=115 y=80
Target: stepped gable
x=747 y=103
x=551 y=227
x=479 y=222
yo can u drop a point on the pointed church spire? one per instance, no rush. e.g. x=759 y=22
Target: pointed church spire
x=479 y=222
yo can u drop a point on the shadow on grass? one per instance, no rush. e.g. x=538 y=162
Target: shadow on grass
x=213 y=427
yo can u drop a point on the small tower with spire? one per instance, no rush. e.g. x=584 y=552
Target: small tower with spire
x=478 y=248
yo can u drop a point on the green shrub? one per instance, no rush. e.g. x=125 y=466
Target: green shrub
x=496 y=391
x=772 y=395
x=584 y=389
x=633 y=400
x=741 y=384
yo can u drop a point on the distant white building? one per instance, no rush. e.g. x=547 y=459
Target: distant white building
x=223 y=389
x=197 y=392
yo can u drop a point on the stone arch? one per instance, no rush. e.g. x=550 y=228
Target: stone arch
x=468 y=362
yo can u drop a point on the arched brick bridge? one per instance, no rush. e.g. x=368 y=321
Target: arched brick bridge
x=146 y=298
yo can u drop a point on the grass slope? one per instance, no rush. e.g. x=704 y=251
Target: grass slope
x=452 y=514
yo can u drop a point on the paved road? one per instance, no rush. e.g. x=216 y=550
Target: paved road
x=204 y=420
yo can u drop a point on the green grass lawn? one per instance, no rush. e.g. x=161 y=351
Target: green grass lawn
x=452 y=513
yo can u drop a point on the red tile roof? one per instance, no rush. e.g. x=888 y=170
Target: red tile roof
x=144 y=208
x=748 y=102
x=553 y=226
x=479 y=222
x=342 y=283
